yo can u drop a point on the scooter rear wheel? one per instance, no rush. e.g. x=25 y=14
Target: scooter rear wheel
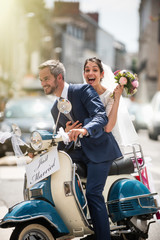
x=31 y=231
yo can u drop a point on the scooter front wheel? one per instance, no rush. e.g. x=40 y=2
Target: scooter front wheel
x=31 y=231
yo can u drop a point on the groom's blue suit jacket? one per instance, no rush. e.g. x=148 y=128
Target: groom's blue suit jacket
x=87 y=107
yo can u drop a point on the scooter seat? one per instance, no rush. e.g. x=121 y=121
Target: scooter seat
x=119 y=166
x=122 y=166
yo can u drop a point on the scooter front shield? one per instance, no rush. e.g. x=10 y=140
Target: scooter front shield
x=32 y=210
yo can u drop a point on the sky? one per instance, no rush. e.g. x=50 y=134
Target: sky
x=120 y=18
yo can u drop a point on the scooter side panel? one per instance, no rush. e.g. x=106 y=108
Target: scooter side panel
x=31 y=210
x=127 y=208
x=111 y=180
x=66 y=205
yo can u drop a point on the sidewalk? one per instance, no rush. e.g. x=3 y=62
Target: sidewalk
x=13 y=161
x=4 y=233
x=9 y=170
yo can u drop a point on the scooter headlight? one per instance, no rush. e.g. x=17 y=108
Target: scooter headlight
x=36 y=141
x=41 y=140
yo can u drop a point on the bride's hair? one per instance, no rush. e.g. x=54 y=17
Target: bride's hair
x=97 y=61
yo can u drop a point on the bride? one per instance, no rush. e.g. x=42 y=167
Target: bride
x=101 y=78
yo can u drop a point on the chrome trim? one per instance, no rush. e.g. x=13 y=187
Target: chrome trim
x=138 y=167
x=147 y=206
x=113 y=228
x=136 y=148
x=36 y=193
x=77 y=201
x=85 y=205
x=134 y=197
x=118 y=232
x=29 y=218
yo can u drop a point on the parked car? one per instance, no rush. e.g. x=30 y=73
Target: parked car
x=29 y=113
x=139 y=113
x=154 y=123
x=142 y=115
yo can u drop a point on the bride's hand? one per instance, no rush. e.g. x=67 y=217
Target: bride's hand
x=118 y=92
x=70 y=126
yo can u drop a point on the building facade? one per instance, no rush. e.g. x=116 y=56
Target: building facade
x=31 y=34
x=78 y=36
x=149 y=54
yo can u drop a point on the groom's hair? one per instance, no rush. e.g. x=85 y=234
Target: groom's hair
x=55 y=66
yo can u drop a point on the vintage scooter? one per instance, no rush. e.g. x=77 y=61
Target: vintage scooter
x=55 y=206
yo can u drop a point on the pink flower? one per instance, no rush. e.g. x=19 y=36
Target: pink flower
x=123 y=81
x=115 y=73
x=135 y=83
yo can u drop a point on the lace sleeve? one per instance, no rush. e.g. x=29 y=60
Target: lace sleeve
x=107 y=101
x=109 y=105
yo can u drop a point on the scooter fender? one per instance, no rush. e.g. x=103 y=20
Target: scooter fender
x=32 y=210
x=128 y=198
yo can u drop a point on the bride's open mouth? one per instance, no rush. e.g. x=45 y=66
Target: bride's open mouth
x=91 y=80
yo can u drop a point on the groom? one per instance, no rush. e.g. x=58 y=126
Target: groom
x=97 y=150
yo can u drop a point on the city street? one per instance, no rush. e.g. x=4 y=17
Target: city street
x=63 y=58
x=11 y=183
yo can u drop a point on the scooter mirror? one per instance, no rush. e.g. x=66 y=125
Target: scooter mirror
x=64 y=105
x=16 y=130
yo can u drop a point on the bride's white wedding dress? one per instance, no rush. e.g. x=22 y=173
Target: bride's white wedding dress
x=124 y=131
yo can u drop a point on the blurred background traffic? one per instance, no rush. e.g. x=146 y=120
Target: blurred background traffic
x=33 y=31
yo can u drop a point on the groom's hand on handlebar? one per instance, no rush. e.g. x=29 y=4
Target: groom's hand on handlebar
x=75 y=133
x=70 y=126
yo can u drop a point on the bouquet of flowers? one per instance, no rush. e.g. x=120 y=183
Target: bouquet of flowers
x=128 y=80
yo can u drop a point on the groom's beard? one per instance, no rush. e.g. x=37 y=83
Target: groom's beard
x=51 y=89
